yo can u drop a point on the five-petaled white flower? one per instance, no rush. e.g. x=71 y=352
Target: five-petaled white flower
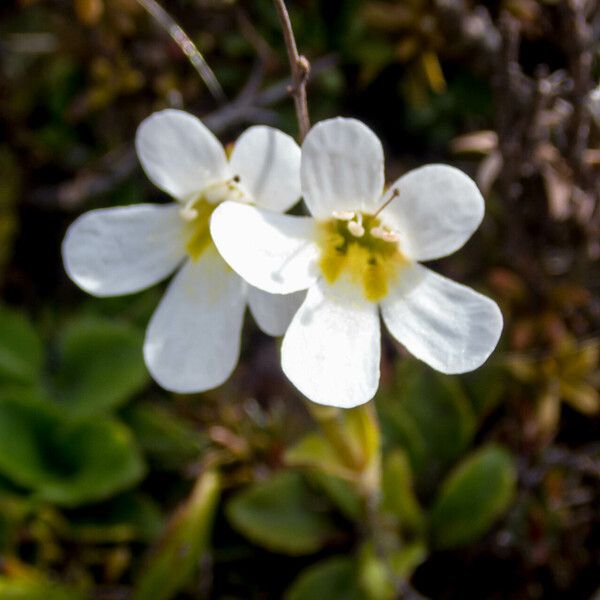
x=193 y=339
x=358 y=253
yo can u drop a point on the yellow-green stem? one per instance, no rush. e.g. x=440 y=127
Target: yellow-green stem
x=354 y=435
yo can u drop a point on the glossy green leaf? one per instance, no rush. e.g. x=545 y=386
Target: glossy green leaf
x=101 y=366
x=176 y=557
x=331 y=579
x=66 y=462
x=475 y=494
x=281 y=515
x=21 y=351
x=398 y=493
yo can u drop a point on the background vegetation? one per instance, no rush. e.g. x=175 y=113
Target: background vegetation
x=111 y=488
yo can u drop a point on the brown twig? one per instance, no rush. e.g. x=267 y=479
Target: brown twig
x=580 y=54
x=251 y=106
x=247 y=107
x=300 y=68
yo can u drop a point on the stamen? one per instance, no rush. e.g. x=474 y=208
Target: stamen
x=188 y=212
x=385 y=234
x=214 y=193
x=343 y=215
x=395 y=194
x=356 y=229
x=230 y=189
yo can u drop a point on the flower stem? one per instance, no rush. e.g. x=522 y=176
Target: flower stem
x=300 y=68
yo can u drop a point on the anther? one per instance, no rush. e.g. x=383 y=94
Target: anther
x=188 y=212
x=343 y=215
x=385 y=234
x=356 y=229
x=236 y=178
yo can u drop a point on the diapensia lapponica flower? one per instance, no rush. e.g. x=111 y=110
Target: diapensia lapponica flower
x=359 y=254
x=193 y=339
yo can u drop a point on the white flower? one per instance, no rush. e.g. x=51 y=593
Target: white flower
x=193 y=340
x=357 y=254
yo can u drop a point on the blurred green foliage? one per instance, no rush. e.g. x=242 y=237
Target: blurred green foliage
x=186 y=539
x=477 y=486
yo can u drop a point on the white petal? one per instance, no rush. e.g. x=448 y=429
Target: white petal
x=193 y=339
x=437 y=210
x=449 y=326
x=115 y=251
x=331 y=350
x=273 y=312
x=342 y=168
x=179 y=154
x=273 y=252
x=268 y=164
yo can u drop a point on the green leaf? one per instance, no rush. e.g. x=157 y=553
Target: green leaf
x=331 y=579
x=66 y=462
x=125 y=518
x=401 y=429
x=473 y=496
x=172 y=563
x=341 y=493
x=437 y=407
x=36 y=589
x=485 y=387
x=314 y=451
x=379 y=573
x=21 y=351
x=375 y=577
x=281 y=515
x=166 y=439
x=101 y=366
x=406 y=559
x=398 y=494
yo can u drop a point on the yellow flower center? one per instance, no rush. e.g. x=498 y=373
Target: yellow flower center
x=197 y=213
x=197 y=227
x=361 y=248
